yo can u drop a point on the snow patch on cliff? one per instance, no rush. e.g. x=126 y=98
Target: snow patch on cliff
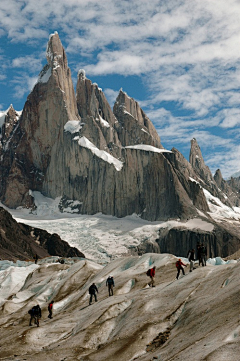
x=103 y=122
x=148 y=148
x=73 y=126
x=84 y=142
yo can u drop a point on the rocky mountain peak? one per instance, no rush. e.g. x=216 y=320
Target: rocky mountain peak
x=137 y=128
x=126 y=104
x=8 y=122
x=91 y=100
x=11 y=110
x=81 y=75
x=55 y=52
x=195 y=152
x=218 y=177
x=216 y=185
x=39 y=140
x=97 y=116
x=197 y=162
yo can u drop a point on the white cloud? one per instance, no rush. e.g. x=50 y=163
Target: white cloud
x=231 y=118
x=228 y=161
x=23 y=84
x=111 y=95
x=33 y=64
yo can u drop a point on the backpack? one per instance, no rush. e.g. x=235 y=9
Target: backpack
x=110 y=281
x=178 y=264
x=148 y=272
x=32 y=311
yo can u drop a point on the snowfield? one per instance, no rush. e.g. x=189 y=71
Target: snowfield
x=195 y=317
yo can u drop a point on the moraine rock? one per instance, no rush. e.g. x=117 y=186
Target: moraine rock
x=19 y=241
x=220 y=242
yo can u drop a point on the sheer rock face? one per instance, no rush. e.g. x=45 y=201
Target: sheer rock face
x=134 y=126
x=190 y=181
x=147 y=184
x=97 y=116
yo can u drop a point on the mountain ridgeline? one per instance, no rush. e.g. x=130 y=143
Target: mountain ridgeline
x=111 y=161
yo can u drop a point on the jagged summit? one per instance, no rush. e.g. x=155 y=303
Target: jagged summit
x=136 y=126
x=82 y=74
x=197 y=162
x=56 y=60
x=218 y=177
x=55 y=52
x=8 y=122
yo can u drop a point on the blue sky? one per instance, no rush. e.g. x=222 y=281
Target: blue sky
x=180 y=59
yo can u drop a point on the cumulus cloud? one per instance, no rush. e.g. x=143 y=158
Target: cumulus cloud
x=111 y=95
x=23 y=84
x=31 y=63
x=227 y=161
x=231 y=118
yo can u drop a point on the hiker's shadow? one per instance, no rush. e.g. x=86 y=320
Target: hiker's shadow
x=84 y=307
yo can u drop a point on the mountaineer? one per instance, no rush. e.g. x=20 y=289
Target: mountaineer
x=36 y=314
x=191 y=258
x=92 y=291
x=179 y=265
x=110 y=284
x=50 y=308
x=151 y=274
